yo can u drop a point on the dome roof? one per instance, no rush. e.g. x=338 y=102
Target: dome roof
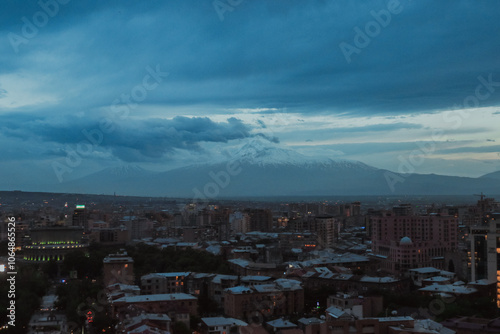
x=405 y=241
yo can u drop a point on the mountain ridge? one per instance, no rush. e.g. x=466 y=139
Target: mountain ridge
x=262 y=169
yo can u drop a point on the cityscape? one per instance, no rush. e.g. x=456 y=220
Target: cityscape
x=249 y=167
x=118 y=264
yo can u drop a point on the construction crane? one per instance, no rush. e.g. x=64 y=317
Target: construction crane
x=481 y=195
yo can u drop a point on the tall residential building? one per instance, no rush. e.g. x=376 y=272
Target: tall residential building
x=327 y=229
x=240 y=222
x=493 y=244
x=478 y=256
x=403 y=210
x=260 y=220
x=406 y=242
x=80 y=217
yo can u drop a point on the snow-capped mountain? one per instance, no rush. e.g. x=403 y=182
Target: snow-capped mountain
x=259 y=168
x=264 y=153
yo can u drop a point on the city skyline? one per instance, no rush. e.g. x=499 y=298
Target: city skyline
x=166 y=85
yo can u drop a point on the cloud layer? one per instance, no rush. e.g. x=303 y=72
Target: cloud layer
x=261 y=68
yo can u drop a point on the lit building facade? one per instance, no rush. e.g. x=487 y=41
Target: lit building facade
x=53 y=243
x=157 y=283
x=493 y=242
x=406 y=242
x=80 y=216
x=478 y=255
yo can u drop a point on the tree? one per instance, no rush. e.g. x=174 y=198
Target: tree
x=180 y=328
x=451 y=266
x=75 y=260
x=51 y=268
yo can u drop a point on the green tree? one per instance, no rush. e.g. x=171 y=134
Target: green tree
x=76 y=260
x=51 y=269
x=180 y=328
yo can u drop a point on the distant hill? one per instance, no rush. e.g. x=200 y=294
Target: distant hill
x=259 y=169
x=494 y=175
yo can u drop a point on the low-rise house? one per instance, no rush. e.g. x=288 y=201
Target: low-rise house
x=145 y=323
x=283 y=297
x=156 y=283
x=418 y=275
x=178 y=306
x=280 y=324
x=221 y=325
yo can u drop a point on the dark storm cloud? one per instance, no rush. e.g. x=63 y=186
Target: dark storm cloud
x=132 y=140
x=272 y=56
x=267 y=54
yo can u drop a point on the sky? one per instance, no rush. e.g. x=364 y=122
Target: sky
x=89 y=85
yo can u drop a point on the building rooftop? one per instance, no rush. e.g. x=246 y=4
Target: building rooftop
x=218 y=278
x=281 y=323
x=449 y=289
x=310 y=321
x=420 y=326
x=436 y=279
x=255 y=278
x=222 y=321
x=146 y=316
x=337 y=313
x=155 y=298
x=166 y=275
x=48 y=302
x=266 y=288
x=239 y=289
x=146 y=329
x=239 y=262
x=388 y=319
x=425 y=270
x=386 y=279
x=482 y=282
x=118 y=258
x=324 y=272
x=405 y=241
x=288 y=284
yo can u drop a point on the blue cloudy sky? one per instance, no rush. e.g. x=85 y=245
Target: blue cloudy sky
x=88 y=85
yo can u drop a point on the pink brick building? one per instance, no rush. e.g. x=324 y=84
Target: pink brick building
x=407 y=242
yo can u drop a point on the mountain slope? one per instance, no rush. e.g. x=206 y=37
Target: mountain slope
x=259 y=169
x=494 y=175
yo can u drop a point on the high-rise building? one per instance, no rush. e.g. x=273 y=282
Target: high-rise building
x=407 y=242
x=403 y=210
x=478 y=256
x=493 y=255
x=80 y=216
x=260 y=220
x=240 y=222
x=327 y=229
